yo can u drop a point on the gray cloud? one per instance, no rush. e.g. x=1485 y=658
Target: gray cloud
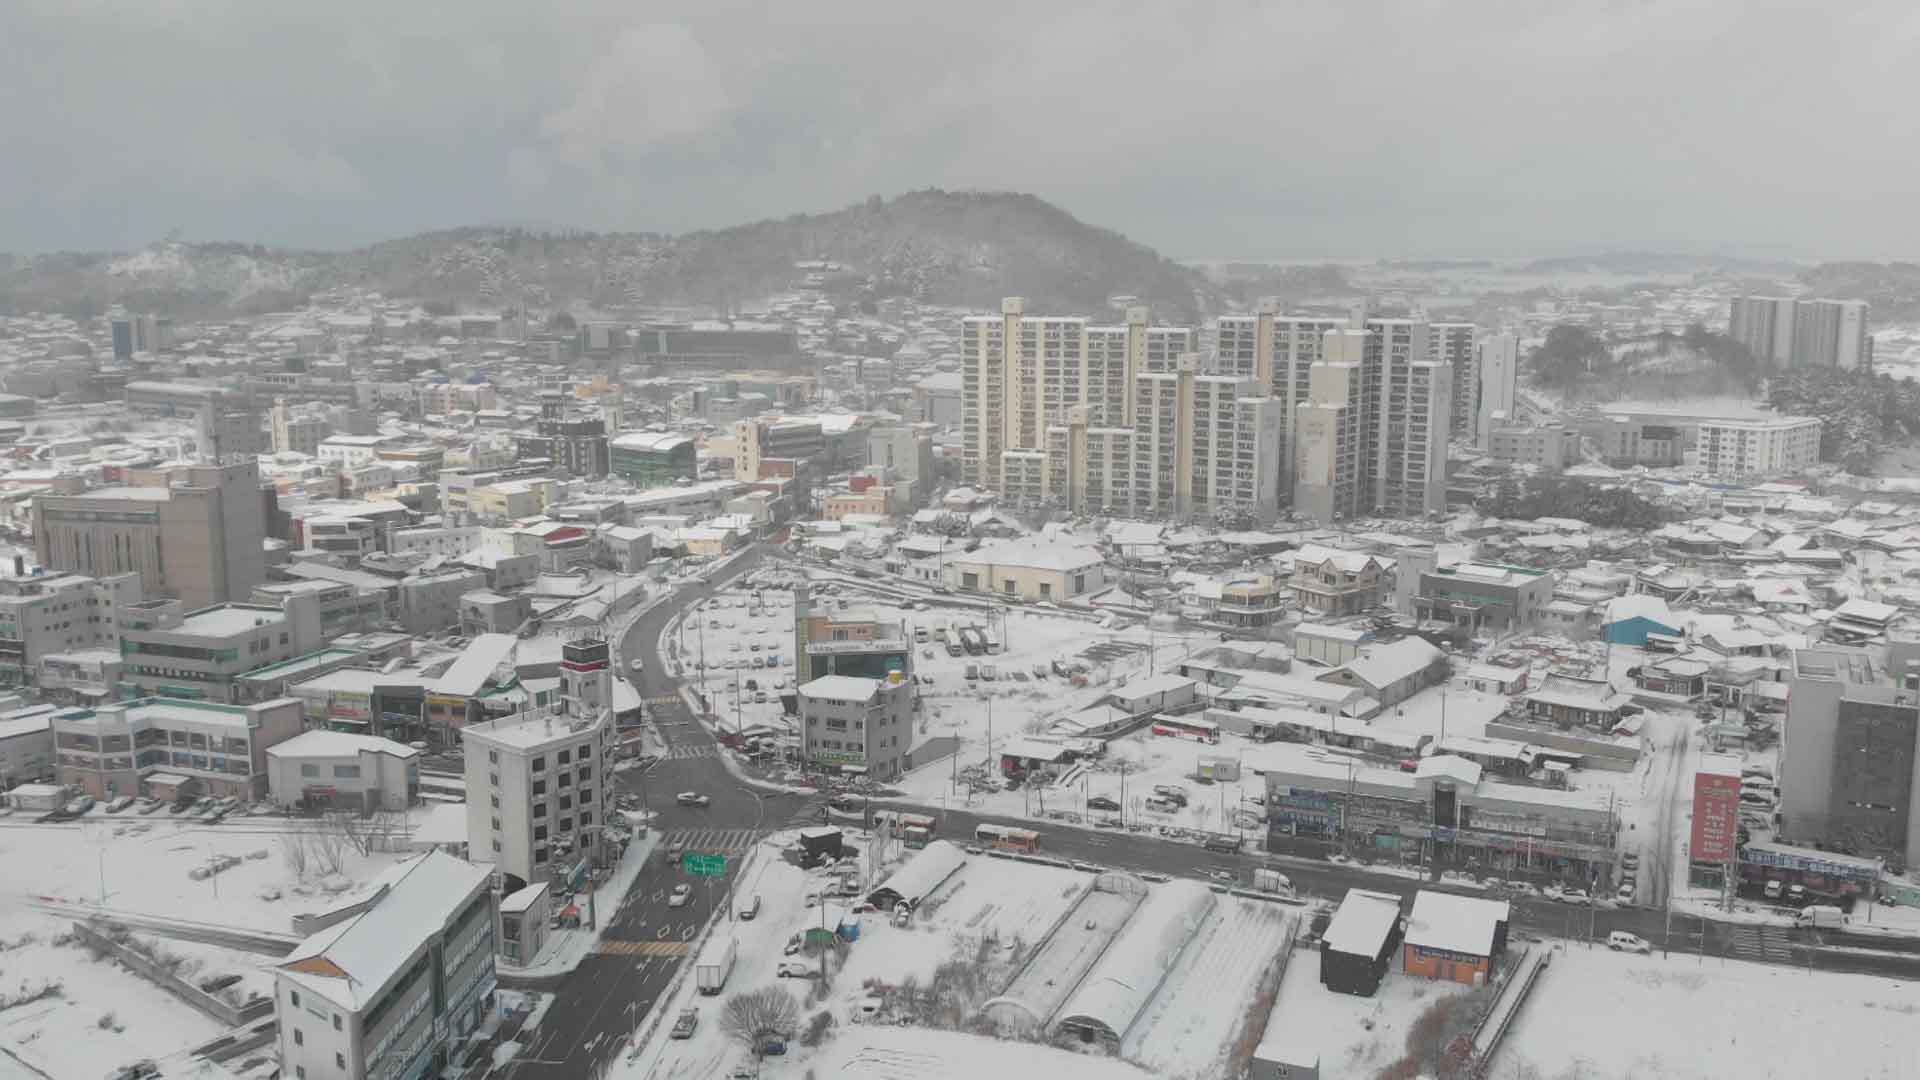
x=1227 y=128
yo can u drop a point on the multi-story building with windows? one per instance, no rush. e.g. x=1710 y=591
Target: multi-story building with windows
x=845 y=642
x=1494 y=388
x=857 y=725
x=194 y=532
x=1848 y=758
x=167 y=748
x=198 y=655
x=390 y=992
x=1758 y=446
x=1480 y=596
x=650 y=459
x=1782 y=332
x=539 y=783
x=1410 y=413
x=1329 y=430
x=1455 y=344
x=46 y=614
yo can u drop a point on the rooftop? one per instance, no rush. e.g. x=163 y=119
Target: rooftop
x=1362 y=923
x=226 y=620
x=476 y=665
x=339 y=744
x=1460 y=924
x=841 y=688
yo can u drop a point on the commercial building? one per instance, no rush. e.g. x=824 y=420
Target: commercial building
x=576 y=445
x=344 y=608
x=766 y=447
x=1480 y=596
x=351 y=451
x=905 y=451
x=1550 y=446
x=649 y=459
x=1444 y=813
x=857 y=725
x=846 y=642
x=26 y=746
x=1757 y=447
x=1782 y=332
x=1456 y=938
x=198 y=655
x=1496 y=375
x=338 y=770
x=1849 y=751
x=44 y=614
x=430 y=603
x=392 y=990
x=297 y=433
x=194 y=532
x=539 y=782
x=1029 y=569
x=167 y=748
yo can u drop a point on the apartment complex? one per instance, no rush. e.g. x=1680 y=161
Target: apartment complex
x=1783 y=332
x=1371 y=435
x=390 y=991
x=194 y=532
x=167 y=748
x=1551 y=446
x=539 y=782
x=857 y=725
x=1757 y=446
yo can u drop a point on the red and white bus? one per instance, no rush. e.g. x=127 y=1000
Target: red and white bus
x=1007 y=838
x=1187 y=727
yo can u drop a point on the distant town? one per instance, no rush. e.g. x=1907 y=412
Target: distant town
x=881 y=689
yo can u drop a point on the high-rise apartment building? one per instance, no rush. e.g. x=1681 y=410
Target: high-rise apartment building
x=1454 y=343
x=1327 y=430
x=1757 y=446
x=1782 y=332
x=1496 y=376
x=1278 y=352
x=1372 y=433
x=1411 y=418
x=192 y=532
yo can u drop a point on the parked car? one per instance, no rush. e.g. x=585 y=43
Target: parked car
x=1774 y=889
x=77 y=806
x=1621 y=941
x=750 y=908
x=792 y=946
x=148 y=806
x=692 y=798
x=682 y=893
x=1631 y=860
x=119 y=804
x=684 y=1024
x=797 y=969
x=1101 y=802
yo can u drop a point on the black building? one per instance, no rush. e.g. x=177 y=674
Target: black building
x=1358 y=946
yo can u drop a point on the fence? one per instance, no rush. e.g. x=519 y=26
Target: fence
x=215 y=1008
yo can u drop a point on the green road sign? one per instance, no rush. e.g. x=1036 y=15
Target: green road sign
x=704 y=865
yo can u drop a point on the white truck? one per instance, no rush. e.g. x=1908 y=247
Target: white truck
x=1821 y=916
x=715 y=963
x=1272 y=881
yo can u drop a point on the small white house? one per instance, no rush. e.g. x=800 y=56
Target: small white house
x=334 y=768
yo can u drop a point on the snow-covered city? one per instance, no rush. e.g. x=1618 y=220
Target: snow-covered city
x=500 y=579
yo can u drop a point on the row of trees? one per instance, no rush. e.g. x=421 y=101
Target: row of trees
x=1550 y=495
x=1860 y=413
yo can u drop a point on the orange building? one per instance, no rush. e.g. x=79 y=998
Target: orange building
x=1457 y=938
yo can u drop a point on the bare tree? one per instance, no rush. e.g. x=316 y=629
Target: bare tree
x=294 y=850
x=757 y=1015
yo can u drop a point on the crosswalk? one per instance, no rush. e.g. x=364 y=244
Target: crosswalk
x=1759 y=943
x=672 y=950
x=809 y=813
x=712 y=841
x=689 y=750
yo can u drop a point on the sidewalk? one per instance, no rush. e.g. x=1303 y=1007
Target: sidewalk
x=566 y=947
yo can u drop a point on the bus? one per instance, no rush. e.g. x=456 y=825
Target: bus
x=1187 y=727
x=1007 y=838
x=914 y=830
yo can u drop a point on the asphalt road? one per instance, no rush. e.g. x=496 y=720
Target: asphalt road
x=597 y=1008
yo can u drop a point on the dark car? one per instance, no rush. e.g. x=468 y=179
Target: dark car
x=1101 y=802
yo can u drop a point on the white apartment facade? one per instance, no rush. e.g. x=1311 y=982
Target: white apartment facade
x=1496 y=371
x=539 y=783
x=1757 y=447
x=1455 y=343
x=1783 y=332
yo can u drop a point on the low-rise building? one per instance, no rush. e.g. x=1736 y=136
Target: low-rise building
x=484 y=611
x=1550 y=446
x=336 y=770
x=391 y=990
x=857 y=725
x=167 y=748
x=1480 y=597
x=1028 y=569
x=1456 y=938
x=26 y=746
x=1331 y=581
x=198 y=655
x=58 y=613
x=650 y=459
x=430 y=603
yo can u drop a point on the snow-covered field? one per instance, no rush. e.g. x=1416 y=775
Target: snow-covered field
x=1678 y=1019
x=141 y=865
x=1354 y=1036
x=1184 y=1030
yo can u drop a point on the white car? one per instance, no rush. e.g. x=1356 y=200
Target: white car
x=692 y=798
x=1621 y=941
x=682 y=893
x=798 y=969
x=634 y=665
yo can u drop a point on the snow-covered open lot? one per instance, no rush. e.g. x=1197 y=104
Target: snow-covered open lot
x=1353 y=1036
x=1680 y=1019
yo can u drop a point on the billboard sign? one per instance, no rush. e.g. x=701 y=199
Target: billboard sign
x=1716 y=817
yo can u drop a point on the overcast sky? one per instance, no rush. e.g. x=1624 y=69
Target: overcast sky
x=1212 y=128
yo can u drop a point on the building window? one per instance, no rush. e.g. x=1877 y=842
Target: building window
x=539 y=763
x=586 y=773
x=310 y=770
x=340 y=1061
x=336 y=1021
x=299 y=1037
x=493 y=757
x=539 y=832
x=539 y=855
x=562 y=757
x=540 y=810
x=496 y=824
x=346 y=772
x=293 y=996
x=496 y=801
x=496 y=844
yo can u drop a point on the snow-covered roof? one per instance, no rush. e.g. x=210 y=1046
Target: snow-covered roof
x=1032 y=554
x=1362 y=923
x=1382 y=666
x=1329 y=632
x=350 y=963
x=1578 y=693
x=1865 y=611
x=841 y=688
x=1348 y=562
x=1139 y=957
x=329 y=744
x=476 y=665
x=1448 y=767
x=522 y=900
x=1640 y=606
x=1460 y=924
x=921 y=875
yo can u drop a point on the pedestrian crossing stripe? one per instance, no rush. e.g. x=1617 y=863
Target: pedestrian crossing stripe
x=667 y=949
x=684 y=752
x=716 y=841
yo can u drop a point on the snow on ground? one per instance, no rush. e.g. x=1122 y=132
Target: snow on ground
x=1185 y=1028
x=879 y=1052
x=1653 y=1019
x=566 y=947
x=1354 y=1036
x=141 y=865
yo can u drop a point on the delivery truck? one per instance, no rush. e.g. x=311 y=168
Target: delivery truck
x=710 y=971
